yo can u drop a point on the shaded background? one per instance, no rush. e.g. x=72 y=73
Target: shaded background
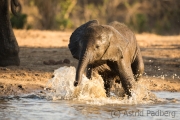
x=153 y=16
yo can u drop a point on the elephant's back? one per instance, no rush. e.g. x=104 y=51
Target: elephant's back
x=128 y=35
x=123 y=30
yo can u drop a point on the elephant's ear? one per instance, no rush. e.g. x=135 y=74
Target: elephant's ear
x=117 y=45
x=77 y=37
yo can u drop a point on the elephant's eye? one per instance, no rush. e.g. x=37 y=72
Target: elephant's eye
x=97 y=46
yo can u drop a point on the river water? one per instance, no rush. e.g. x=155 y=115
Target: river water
x=61 y=100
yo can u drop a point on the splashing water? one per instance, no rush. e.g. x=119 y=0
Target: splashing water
x=92 y=91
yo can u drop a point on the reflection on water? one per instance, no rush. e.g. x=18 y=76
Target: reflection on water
x=88 y=101
x=37 y=108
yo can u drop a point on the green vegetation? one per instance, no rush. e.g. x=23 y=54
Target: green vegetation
x=156 y=16
x=19 y=21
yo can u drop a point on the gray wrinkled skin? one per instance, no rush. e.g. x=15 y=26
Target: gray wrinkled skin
x=109 y=50
x=8 y=45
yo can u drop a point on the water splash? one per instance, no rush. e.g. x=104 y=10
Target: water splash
x=92 y=91
x=61 y=84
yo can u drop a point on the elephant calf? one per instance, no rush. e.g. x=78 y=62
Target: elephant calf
x=109 y=50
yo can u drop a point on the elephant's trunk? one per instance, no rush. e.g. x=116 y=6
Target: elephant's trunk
x=15 y=7
x=83 y=62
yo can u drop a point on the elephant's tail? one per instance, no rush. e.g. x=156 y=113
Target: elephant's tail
x=15 y=7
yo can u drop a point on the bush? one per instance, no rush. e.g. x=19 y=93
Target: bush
x=141 y=21
x=19 y=21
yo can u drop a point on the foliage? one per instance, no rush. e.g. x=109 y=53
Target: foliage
x=140 y=23
x=62 y=17
x=19 y=21
x=158 y=16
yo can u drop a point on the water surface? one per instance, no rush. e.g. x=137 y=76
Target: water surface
x=35 y=108
x=61 y=100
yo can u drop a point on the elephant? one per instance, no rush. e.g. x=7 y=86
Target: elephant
x=108 y=50
x=9 y=49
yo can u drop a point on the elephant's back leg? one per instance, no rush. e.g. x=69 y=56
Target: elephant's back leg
x=138 y=65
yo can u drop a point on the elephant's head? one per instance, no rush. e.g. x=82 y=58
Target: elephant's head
x=95 y=42
x=92 y=42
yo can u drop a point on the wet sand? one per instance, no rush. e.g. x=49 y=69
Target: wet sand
x=41 y=52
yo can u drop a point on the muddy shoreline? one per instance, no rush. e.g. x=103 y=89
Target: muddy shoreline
x=41 y=52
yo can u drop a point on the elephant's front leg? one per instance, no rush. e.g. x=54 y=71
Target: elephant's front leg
x=106 y=84
x=126 y=76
